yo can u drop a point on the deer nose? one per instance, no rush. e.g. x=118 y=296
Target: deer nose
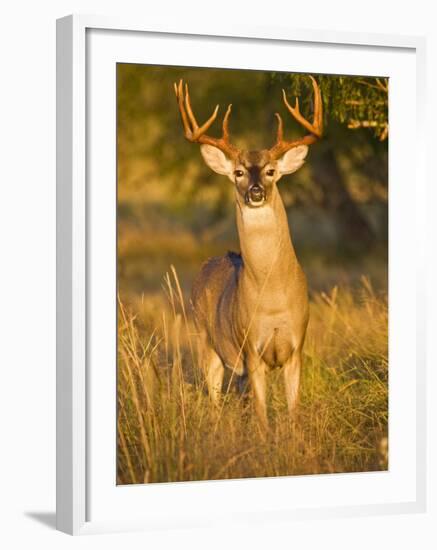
x=256 y=192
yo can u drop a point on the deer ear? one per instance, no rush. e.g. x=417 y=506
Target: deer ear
x=292 y=160
x=216 y=160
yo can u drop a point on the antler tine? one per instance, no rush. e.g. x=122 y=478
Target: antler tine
x=189 y=111
x=318 y=109
x=225 y=125
x=315 y=128
x=197 y=134
x=280 y=131
x=180 y=99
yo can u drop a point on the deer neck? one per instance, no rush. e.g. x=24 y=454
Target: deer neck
x=268 y=255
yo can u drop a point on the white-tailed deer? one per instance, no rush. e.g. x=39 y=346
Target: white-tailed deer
x=252 y=309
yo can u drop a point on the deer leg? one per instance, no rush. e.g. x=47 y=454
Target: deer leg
x=257 y=378
x=291 y=379
x=214 y=372
x=242 y=384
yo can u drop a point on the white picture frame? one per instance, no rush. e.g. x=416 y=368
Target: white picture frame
x=75 y=462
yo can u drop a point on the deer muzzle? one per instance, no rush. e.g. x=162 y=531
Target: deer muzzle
x=255 y=195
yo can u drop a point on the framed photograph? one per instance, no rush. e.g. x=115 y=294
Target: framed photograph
x=238 y=222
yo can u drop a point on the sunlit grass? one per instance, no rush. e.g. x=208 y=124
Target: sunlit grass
x=167 y=430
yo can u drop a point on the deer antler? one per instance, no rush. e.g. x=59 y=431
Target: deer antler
x=315 y=128
x=197 y=134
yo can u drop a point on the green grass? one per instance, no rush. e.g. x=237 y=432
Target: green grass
x=167 y=430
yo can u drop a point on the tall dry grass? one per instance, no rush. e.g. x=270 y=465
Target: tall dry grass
x=167 y=430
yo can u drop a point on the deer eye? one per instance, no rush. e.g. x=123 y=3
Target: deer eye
x=270 y=172
x=238 y=173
